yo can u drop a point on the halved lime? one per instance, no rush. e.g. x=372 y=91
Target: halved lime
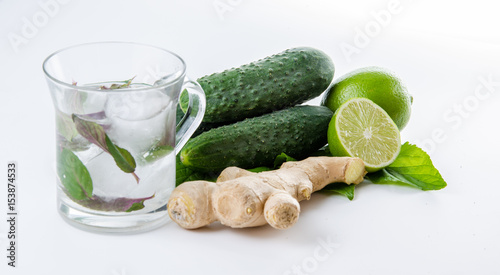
x=361 y=128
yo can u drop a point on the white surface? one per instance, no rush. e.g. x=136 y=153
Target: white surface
x=441 y=50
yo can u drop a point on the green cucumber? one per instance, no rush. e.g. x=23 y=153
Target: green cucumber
x=273 y=83
x=297 y=131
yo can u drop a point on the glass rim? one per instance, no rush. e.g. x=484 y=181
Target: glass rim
x=91 y=89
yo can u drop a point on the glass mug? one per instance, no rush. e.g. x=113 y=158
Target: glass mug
x=116 y=133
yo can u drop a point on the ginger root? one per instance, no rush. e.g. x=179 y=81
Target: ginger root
x=241 y=198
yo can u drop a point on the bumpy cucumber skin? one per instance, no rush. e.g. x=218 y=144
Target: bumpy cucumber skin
x=297 y=131
x=273 y=83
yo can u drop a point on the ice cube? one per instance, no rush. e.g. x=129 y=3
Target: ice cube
x=108 y=179
x=138 y=120
x=133 y=106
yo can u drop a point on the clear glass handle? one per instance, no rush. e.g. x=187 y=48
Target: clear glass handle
x=193 y=115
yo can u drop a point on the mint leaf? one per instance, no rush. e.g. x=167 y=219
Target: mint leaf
x=78 y=185
x=74 y=175
x=282 y=158
x=384 y=177
x=91 y=131
x=158 y=152
x=95 y=134
x=341 y=188
x=65 y=126
x=179 y=115
x=75 y=99
x=184 y=101
x=123 y=159
x=116 y=86
x=136 y=206
x=184 y=173
x=114 y=204
x=259 y=169
x=414 y=167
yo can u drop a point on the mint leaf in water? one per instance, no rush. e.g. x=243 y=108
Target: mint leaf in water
x=91 y=131
x=115 y=86
x=158 y=152
x=74 y=175
x=65 y=126
x=78 y=185
x=114 y=204
x=341 y=188
x=124 y=160
x=136 y=206
x=95 y=134
x=413 y=166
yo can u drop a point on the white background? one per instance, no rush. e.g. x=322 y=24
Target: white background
x=443 y=50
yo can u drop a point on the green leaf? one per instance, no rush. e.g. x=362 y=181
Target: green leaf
x=184 y=173
x=136 y=206
x=282 y=158
x=124 y=160
x=91 y=131
x=114 y=204
x=74 y=175
x=260 y=169
x=179 y=114
x=65 y=126
x=95 y=134
x=184 y=101
x=341 y=188
x=116 y=86
x=384 y=177
x=122 y=157
x=414 y=167
x=158 y=152
x=75 y=99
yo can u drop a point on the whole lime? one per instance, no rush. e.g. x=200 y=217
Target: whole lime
x=377 y=84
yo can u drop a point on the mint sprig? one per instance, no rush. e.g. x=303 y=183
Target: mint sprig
x=95 y=134
x=78 y=185
x=414 y=167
